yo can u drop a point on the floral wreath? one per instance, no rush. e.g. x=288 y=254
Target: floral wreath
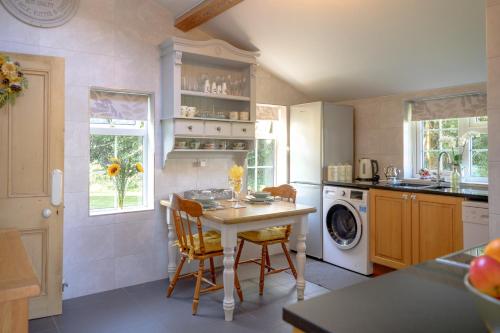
x=12 y=80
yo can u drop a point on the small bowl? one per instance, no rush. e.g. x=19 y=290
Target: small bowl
x=261 y=195
x=488 y=307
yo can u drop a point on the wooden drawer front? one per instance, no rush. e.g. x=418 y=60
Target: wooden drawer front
x=188 y=127
x=244 y=130
x=217 y=128
x=475 y=215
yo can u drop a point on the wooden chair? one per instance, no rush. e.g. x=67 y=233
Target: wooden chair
x=196 y=246
x=269 y=236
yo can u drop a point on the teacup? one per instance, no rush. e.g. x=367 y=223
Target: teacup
x=184 y=110
x=195 y=144
x=180 y=144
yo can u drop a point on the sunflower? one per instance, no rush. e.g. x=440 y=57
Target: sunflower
x=9 y=69
x=114 y=169
x=139 y=168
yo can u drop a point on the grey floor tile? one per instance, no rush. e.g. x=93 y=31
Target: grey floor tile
x=145 y=307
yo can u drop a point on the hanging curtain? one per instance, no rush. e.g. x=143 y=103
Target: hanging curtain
x=114 y=105
x=463 y=106
x=268 y=112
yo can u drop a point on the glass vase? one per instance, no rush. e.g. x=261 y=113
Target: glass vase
x=237 y=189
x=456 y=176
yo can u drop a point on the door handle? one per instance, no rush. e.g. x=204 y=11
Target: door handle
x=57 y=187
x=413 y=197
x=405 y=196
x=46 y=213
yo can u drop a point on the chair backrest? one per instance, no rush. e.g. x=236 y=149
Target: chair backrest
x=285 y=192
x=185 y=213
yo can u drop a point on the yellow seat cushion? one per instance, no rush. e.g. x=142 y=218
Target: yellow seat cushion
x=264 y=235
x=211 y=240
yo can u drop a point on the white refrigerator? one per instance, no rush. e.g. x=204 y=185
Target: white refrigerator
x=321 y=133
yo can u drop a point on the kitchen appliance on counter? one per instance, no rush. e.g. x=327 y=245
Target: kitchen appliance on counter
x=392 y=174
x=321 y=134
x=345 y=228
x=368 y=170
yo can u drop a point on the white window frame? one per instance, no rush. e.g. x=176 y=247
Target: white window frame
x=147 y=132
x=464 y=125
x=280 y=137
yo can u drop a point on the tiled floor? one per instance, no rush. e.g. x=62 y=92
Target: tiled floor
x=144 y=308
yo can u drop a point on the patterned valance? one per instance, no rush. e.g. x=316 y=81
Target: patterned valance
x=268 y=112
x=463 y=106
x=115 y=105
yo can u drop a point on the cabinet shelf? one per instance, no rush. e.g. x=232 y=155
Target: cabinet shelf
x=216 y=96
x=211 y=150
x=216 y=119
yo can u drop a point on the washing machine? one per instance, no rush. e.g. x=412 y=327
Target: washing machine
x=345 y=228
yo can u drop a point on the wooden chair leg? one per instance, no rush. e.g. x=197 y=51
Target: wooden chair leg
x=238 y=254
x=262 y=269
x=196 y=298
x=212 y=270
x=237 y=286
x=268 y=260
x=289 y=259
x=171 y=286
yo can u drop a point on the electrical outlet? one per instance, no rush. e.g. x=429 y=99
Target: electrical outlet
x=203 y=163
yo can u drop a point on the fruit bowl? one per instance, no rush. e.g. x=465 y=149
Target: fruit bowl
x=489 y=307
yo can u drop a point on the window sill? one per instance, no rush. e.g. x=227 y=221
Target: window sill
x=115 y=211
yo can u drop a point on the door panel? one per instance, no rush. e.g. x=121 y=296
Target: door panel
x=28 y=139
x=437 y=226
x=390 y=228
x=31 y=146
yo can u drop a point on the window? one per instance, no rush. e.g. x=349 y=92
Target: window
x=121 y=131
x=269 y=153
x=435 y=136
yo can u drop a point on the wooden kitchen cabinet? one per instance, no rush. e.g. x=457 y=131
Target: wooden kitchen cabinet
x=409 y=228
x=390 y=228
x=436 y=226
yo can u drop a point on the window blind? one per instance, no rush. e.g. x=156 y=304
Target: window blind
x=458 y=106
x=268 y=112
x=114 y=105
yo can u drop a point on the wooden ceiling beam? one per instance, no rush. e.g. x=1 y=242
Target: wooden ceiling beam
x=203 y=12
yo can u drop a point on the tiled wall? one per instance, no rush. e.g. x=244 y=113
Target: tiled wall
x=113 y=44
x=379 y=123
x=493 y=46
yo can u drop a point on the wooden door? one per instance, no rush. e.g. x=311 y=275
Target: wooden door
x=31 y=147
x=436 y=226
x=390 y=228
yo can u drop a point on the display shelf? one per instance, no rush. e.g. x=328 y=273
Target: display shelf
x=216 y=119
x=217 y=96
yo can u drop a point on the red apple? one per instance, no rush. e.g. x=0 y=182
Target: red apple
x=484 y=274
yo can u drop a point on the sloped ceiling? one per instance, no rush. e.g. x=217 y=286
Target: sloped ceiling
x=345 y=49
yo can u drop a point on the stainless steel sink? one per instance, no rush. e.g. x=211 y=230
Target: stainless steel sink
x=438 y=187
x=414 y=185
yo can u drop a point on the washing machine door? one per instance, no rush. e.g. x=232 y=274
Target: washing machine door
x=343 y=224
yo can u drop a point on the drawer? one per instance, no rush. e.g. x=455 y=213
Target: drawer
x=217 y=128
x=243 y=130
x=475 y=215
x=188 y=127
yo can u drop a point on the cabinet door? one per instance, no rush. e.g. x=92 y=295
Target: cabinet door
x=243 y=130
x=436 y=226
x=188 y=127
x=390 y=228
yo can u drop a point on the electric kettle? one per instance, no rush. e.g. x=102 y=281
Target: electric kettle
x=368 y=169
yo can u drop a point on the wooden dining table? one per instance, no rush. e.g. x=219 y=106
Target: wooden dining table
x=229 y=221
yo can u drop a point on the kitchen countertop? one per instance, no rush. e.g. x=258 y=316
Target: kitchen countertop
x=468 y=193
x=429 y=297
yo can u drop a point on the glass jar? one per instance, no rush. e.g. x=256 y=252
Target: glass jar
x=456 y=176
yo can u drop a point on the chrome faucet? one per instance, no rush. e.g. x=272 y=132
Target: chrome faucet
x=448 y=158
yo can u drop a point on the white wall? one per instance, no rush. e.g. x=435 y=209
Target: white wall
x=112 y=44
x=493 y=48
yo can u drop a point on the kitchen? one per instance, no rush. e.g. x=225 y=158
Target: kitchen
x=134 y=51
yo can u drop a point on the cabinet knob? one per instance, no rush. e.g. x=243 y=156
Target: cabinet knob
x=218 y=129
x=190 y=127
x=405 y=196
x=413 y=197
x=244 y=130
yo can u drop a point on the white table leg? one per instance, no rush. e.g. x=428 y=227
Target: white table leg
x=228 y=235
x=172 y=250
x=301 y=257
